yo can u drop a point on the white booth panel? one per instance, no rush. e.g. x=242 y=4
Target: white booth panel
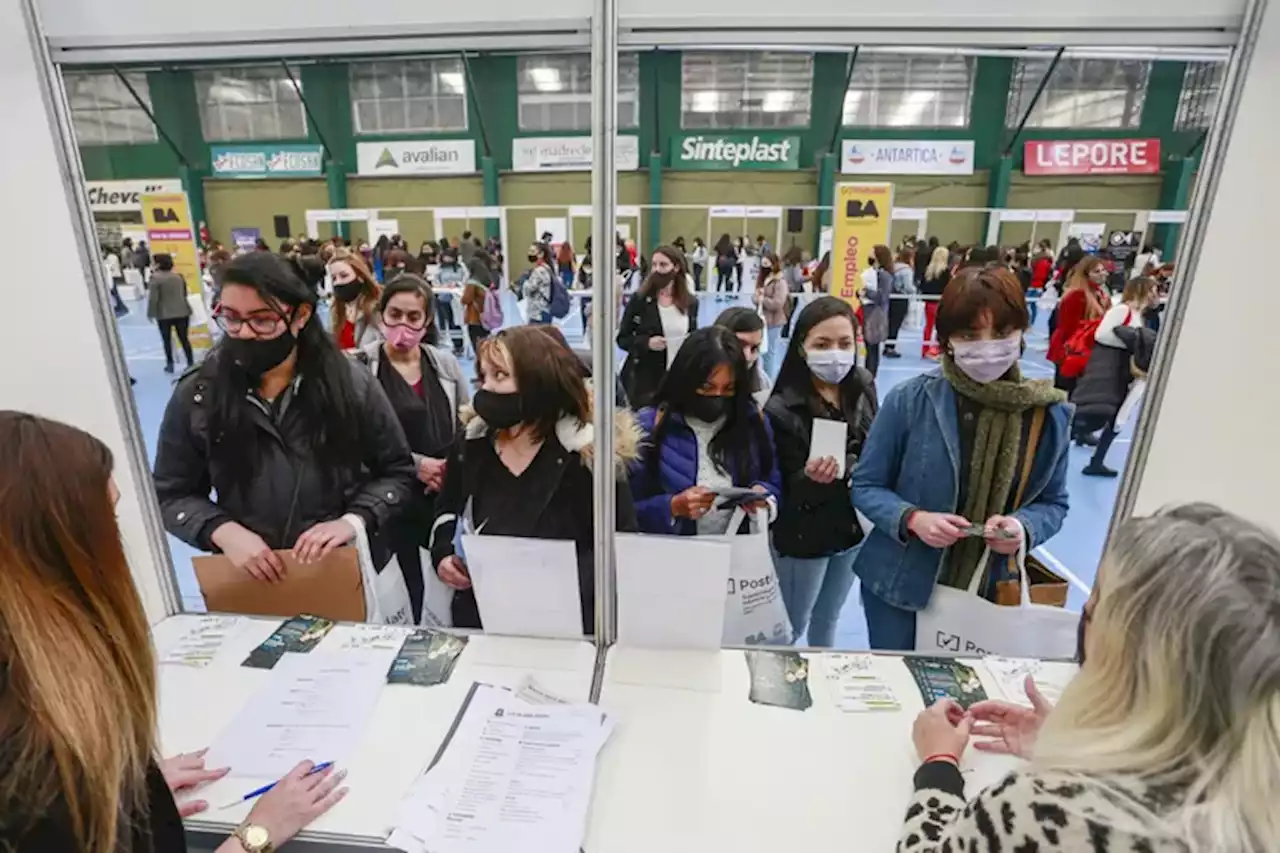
x=52 y=349
x=992 y=22
x=1214 y=436
x=121 y=30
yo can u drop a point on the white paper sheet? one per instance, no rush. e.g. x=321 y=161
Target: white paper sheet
x=1011 y=675
x=316 y=707
x=525 y=587
x=830 y=438
x=1131 y=400
x=203 y=640
x=513 y=776
x=671 y=591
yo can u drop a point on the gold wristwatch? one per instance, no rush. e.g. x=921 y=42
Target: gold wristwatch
x=254 y=838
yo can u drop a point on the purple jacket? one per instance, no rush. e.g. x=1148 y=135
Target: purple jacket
x=677 y=470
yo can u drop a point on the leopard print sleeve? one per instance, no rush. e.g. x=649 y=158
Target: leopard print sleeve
x=938 y=801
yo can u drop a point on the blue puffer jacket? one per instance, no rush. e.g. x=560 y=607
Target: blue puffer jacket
x=911 y=460
x=677 y=471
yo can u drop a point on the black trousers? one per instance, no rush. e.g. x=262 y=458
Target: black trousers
x=1105 y=438
x=477 y=334
x=179 y=326
x=897 y=314
x=873 y=359
x=697 y=276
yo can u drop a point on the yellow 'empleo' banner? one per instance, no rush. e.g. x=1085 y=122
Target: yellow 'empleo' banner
x=860 y=220
x=170 y=232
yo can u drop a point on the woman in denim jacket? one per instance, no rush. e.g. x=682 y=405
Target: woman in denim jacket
x=703 y=435
x=946 y=453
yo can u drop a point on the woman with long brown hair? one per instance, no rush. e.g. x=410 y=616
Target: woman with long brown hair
x=1084 y=300
x=523 y=467
x=658 y=318
x=78 y=767
x=354 y=314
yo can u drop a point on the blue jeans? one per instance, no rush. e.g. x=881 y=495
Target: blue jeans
x=814 y=590
x=1033 y=302
x=889 y=628
x=773 y=358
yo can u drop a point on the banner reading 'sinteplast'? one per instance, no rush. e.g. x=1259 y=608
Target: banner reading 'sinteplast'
x=170 y=232
x=860 y=221
x=735 y=151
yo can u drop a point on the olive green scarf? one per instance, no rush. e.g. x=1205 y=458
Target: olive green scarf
x=994 y=463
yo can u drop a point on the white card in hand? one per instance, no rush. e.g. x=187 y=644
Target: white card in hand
x=829 y=438
x=525 y=587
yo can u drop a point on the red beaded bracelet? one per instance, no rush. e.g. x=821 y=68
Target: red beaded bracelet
x=943 y=756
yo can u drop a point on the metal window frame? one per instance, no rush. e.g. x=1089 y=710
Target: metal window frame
x=605 y=38
x=209 y=108
x=139 y=80
x=742 y=117
x=403 y=100
x=525 y=97
x=1017 y=95
x=876 y=60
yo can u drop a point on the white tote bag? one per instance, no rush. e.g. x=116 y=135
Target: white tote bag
x=962 y=622
x=754 y=613
x=386 y=598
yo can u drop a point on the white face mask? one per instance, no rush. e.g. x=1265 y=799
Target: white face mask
x=831 y=365
x=987 y=361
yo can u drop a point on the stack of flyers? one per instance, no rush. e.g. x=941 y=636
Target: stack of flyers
x=299 y=634
x=200 y=644
x=1011 y=677
x=426 y=658
x=857 y=686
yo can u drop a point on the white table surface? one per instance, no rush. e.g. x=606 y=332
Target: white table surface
x=407 y=727
x=695 y=766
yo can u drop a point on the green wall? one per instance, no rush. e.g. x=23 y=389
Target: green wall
x=493 y=124
x=416 y=227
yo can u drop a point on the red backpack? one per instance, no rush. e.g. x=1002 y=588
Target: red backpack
x=1080 y=346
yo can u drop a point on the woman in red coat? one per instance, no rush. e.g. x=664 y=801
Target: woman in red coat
x=1084 y=300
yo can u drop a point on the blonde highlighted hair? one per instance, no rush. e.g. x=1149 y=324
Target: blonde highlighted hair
x=78 y=708
x=939 y=262
x=1181 y=688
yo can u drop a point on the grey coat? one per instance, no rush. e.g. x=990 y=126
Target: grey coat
x=167 y=298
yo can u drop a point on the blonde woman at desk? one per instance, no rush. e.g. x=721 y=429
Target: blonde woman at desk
x=1166 y=741
x=78 y=765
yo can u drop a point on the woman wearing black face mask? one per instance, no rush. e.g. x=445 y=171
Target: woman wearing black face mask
x=657 y=320
x=704 y=434
x=290 y=435
x=524 y=467
x=354 y=314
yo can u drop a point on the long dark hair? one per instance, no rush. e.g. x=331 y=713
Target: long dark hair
x=326 y=400
x=743 y=436
x=724 y=246
x=680 y=295
x=795 y=373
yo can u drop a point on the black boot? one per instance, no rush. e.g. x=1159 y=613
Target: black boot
x=1099 y=470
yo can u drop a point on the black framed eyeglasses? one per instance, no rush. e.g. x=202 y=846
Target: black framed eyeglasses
x=260 y=324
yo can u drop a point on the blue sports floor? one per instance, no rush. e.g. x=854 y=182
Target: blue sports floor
x=1076 y=548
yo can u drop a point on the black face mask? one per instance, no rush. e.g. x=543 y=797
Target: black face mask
x=500 y=411
x=256 y=356
x=348 y=292
x=708 y=409
x=662 y=279
x=533 y=259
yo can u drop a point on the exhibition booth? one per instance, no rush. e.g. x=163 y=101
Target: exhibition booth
x=676 y=733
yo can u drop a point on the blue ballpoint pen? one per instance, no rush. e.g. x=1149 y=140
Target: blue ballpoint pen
x=260 y=791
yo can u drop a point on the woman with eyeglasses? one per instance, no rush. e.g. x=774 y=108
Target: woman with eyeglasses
x=424 y=384
x=355 y=300
x=289 y=434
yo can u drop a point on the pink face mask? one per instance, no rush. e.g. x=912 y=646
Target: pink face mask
x=403 y=338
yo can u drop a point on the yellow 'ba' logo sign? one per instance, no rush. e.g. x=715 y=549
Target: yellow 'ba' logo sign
x=165 y=214
x=856 y=209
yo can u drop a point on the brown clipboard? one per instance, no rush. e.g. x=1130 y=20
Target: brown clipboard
x=330 y=587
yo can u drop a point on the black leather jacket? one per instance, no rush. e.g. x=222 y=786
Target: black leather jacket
x=287 y=494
